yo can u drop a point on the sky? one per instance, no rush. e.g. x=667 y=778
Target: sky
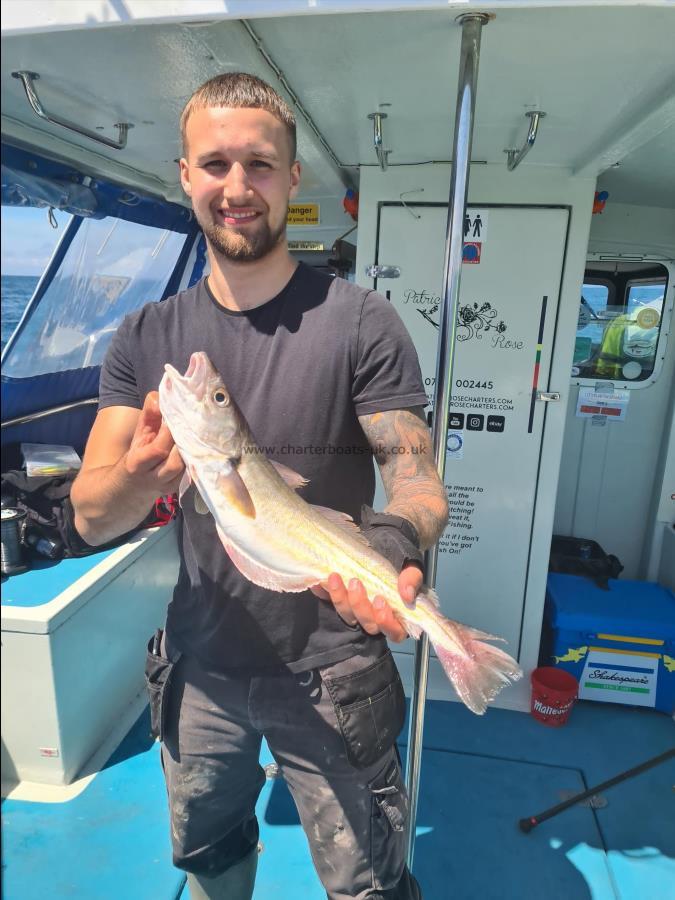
x=28 y=240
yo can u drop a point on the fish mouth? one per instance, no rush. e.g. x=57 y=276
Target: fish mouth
x=196 y=377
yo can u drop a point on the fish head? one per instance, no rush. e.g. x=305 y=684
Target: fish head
x=200 y=412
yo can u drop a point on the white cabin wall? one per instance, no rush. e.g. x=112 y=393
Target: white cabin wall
x=616 y=482
x=626 y=228
x=495 y=185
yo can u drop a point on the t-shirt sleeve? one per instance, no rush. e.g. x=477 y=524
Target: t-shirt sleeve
x=387 y=373
x=118 y=386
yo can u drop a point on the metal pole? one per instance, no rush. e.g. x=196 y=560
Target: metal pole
x=472 y=25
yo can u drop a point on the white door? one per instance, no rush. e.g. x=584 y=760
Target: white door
x=506 y=322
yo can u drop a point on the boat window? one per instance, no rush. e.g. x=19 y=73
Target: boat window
x=111 y=268
x=619 y=324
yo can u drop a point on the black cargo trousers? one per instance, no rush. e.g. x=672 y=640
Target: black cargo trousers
x=332 y=732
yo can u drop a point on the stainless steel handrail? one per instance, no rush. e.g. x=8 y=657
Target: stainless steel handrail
x=31 y=417
x=472 y=25
x=515 y=157
x=28 y=79
x=377 y=138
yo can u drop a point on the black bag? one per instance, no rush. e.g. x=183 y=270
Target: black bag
x=49 y=527
x=578 y=556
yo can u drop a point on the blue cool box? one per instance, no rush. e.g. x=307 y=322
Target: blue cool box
x=619 y=644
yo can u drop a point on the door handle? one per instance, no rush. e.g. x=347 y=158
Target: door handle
x=548 y=396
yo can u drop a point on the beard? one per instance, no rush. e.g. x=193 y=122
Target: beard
x=243 y=247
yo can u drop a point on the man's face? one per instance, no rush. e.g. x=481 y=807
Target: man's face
x=240 y=177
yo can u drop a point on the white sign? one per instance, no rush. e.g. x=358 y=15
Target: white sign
x=504 y=332
x=619 y=678
x=611 y=404
x=476 y=224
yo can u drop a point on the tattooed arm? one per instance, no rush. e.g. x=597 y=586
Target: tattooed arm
x=402 y=446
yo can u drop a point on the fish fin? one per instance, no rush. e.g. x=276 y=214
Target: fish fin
x=477 y=670
x=230 y=484
x=430 y=594
x=413 y=629
x=200 y=505
x=292 y=478
x=184 y=485
x=343 y=520
x=264 y=576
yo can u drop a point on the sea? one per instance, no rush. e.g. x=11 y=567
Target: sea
x=16 y=292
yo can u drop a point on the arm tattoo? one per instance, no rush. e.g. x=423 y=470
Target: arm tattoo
x=402 y=446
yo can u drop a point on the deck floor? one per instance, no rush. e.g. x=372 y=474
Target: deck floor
x=479 y=776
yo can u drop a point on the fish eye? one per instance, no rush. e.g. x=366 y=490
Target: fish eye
x=220 y=398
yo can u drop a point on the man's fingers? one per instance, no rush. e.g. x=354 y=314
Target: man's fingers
x=387 y=621
x=163 y=440
x=340 y=598
x=318 y=591
x=409 y=583
x=362 y=607
x=172 y=467
x=353 y=605
x=150 y=415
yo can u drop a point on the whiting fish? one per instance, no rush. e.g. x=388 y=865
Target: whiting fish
x=282 y=543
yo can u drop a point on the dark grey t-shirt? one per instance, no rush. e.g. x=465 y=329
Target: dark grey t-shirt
x=302 y=367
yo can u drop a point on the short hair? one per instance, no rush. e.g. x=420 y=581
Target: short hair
x=244 y=91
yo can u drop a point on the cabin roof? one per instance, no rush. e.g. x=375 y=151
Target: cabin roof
x=603 y=73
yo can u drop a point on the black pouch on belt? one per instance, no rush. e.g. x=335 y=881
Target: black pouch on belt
x=158 y=672
x=370 y=708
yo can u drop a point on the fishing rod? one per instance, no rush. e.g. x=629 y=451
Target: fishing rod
x=526 y=825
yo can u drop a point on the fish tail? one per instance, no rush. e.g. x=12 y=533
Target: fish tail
x=477 y=670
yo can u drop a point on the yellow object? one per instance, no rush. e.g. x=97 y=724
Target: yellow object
x=631 y=640
x=572 y=655
x=303 y=214
x=623 y=652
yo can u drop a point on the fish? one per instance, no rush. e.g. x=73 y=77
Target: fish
x=572 y=655
x=280 y=542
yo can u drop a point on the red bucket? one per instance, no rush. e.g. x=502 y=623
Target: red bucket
x=553 y=694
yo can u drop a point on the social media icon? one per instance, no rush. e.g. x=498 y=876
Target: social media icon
x=475 y=422
x=495 y=423
x=456 y=420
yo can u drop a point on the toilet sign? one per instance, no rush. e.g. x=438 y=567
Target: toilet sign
x=476 y=225
x=475 y=235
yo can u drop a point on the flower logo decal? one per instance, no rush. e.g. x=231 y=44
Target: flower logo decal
x=473 y=320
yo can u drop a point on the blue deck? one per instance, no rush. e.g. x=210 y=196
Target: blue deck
x=479 y=776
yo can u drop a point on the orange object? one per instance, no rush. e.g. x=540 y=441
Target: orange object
x=351 y=204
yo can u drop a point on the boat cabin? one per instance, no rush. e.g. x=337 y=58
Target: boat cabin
x=558 y=361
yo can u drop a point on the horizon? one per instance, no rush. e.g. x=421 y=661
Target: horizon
x=28 y=240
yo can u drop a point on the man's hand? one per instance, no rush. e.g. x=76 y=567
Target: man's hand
x=130 y=460
x=153 y=454
x=353 y=605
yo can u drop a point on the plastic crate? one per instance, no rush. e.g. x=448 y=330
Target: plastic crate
x=618 y=643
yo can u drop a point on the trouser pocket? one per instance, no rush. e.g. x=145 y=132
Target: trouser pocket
x=158 y=672
x=370 y=708
x=388 y=824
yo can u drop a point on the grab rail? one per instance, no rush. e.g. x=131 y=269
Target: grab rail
x=31 y=417
x=515 y=157
x=377 y=138
x=28 y=79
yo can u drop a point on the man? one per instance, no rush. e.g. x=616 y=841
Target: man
x=322 y=370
